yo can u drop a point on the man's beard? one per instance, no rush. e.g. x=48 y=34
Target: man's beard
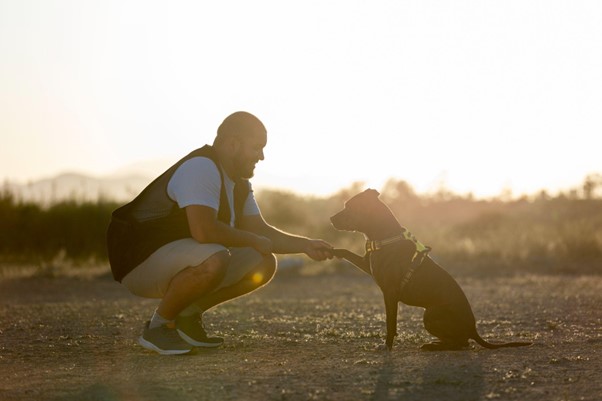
x=245 y=170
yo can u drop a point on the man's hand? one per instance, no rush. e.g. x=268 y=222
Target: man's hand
x=318 y=250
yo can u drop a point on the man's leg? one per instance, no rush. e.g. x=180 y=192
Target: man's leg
x=248 y=271
x=192 y=282
x=258 y=277
x=161 y=334
x=178 y=273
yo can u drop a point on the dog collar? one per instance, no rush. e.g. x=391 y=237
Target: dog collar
x=372 y=246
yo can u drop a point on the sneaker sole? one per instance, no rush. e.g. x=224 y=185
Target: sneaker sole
x=153 y=347
x=192 y=341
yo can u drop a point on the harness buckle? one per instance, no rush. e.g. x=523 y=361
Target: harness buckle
x=371 y=246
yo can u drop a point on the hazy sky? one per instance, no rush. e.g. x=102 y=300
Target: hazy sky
x=481 y=95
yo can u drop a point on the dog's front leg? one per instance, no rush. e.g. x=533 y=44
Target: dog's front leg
x=363 y=262
x=391 y=304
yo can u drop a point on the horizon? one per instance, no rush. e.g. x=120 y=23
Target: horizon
x=481 y=97
x=125 y=184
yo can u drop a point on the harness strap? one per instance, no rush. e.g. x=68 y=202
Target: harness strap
x=419 y=255
x=416 y=262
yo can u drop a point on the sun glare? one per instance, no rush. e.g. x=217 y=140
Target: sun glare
x=257 y=278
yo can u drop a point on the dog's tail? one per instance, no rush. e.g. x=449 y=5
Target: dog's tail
x=489 y=345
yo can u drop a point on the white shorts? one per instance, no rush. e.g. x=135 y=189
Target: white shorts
x=151 y=278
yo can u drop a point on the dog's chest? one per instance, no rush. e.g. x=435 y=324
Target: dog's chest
x=387 y=268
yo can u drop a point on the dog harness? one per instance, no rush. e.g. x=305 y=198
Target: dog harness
x=420 y=253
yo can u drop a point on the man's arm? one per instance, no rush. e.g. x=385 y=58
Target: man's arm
x=206 y=228
x=285 y=243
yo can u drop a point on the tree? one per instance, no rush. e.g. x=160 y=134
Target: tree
x=591 y=184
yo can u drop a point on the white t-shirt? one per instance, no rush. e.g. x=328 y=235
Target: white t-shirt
x=197 y=182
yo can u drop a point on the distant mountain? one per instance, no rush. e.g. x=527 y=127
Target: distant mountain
x=145 y=168
x=80 y=187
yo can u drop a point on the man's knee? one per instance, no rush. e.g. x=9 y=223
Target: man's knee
x=269 y=263
x=266 y=269
x=214 y=268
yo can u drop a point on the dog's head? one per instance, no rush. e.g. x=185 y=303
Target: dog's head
x=359 y=212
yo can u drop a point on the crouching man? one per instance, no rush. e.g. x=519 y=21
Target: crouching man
x=195 y=238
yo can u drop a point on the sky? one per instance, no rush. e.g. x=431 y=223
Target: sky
x=477 y=96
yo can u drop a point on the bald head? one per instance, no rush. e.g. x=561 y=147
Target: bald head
x=240 y=125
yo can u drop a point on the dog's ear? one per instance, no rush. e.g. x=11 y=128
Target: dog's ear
x=372 y=192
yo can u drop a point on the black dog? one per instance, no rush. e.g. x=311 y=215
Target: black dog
x=401 y=267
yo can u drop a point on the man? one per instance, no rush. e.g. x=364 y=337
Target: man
x=195 y=237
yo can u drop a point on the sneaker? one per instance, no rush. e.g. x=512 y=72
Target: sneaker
x=192 y=331
x=163 y=340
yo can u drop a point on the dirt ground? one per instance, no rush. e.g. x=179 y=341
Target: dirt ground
x=303 y=337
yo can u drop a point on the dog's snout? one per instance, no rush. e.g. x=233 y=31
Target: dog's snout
x=333 y=220
x=338 y=220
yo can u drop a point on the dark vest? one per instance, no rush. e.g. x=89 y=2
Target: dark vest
x=153 y=219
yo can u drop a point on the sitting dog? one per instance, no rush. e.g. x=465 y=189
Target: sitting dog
x=401 y=267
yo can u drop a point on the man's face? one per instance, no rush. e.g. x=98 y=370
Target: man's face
x=250 y=151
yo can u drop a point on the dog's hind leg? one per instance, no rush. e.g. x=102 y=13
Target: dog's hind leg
x=448 y=327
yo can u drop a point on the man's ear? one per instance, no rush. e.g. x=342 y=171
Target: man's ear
x=233 y=144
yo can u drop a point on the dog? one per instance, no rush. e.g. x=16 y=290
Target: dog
x=405 y=273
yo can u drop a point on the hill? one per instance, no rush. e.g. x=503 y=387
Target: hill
x=80 y=187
